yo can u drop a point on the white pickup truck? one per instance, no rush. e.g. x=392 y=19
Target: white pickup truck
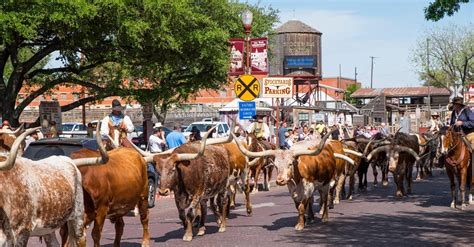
x=221 y=131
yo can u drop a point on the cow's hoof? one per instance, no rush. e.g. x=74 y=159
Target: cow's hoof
x=385 y=183
x=349 y=197
x=219 y=221
x=299 y=227
x=418 y=178
x=187 y=238
x=321 y=211
x=136 y=212
x=201 y=231
x=336 y=201
x=325 y=220
x=453 y=205
x=147 y=244
x=399 y=194
x=463 y=206
x=232 y=206
x=249 y=212
x=222 y=229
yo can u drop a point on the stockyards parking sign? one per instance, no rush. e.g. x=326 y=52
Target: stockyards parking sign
x=277 y=87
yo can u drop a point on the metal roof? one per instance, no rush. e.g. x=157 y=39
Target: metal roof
x=294 y=26
x=400 y=92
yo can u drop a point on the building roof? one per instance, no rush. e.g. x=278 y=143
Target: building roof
x=399 y=92
x=294 y=26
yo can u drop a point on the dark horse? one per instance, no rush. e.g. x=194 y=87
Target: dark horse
x=457 y=163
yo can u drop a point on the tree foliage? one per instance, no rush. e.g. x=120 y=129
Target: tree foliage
x=163 y=50
x=439 y=8
x=350 y=90
x=445 y=56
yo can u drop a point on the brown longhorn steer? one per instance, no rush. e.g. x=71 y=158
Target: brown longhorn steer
x=304 y=170
x=401 y=154
x=38 y=197
x=112 y=190
x=262 y=163
x=196 y=173
x=8 y=137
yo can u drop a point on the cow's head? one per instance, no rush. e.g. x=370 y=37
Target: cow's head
x=168 y=166
x=393 y=154
x=8 y=137
x=284 y=159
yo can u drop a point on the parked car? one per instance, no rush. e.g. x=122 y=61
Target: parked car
x=221 y=131
x=139 y=141
x=73 y=130
x=59 y=146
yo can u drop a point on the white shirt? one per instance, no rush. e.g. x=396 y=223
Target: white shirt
x=104 y=127
x=266 y=129
x=155 y=144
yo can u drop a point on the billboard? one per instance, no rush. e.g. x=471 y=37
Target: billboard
x=50 y=111
x=277 y=87
x=237 y=63
x=258 y=56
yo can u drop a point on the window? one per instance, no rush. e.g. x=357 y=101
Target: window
x=303 y=117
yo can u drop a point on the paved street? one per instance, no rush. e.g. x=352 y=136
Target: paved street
x=374 y=217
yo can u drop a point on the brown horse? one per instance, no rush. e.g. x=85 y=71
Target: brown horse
x=265 y=163
x=457 y=163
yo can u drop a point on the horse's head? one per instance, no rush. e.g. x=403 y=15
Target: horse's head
x=449 y=138
x=252 y=142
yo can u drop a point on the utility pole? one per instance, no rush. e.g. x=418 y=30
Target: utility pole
x=339 y=79
x=428 y=71
x=355 y=74
x=371 y=71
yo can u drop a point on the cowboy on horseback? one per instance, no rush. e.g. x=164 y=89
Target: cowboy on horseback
x=116 y=124
x=260 y=129
x=462 y=118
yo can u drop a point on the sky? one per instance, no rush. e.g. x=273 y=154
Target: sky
x=354 y=30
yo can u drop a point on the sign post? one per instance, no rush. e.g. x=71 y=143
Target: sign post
x=247 y=110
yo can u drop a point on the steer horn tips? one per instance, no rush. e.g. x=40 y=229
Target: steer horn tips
x=104 y=157
x=11 y=158
x=188 y=156
x=343 y=157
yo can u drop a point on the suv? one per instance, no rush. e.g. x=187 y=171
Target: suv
x=58 y=146
x=221 y=131
x=73 y=130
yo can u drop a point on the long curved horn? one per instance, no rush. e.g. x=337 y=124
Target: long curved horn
x=377 y=150
x=186 y=156
x=343 y=157
x=317 y=150
x=10 y=162
x=104 y=157
x=430 y=140
x=250 y=153
x=222 y=140
x=114 y=145
x=408 y=150
x=362 y=140
x=17 y=131
x=350 y=151
x=253 y=162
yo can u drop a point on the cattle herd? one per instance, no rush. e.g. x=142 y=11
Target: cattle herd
x=69 y=193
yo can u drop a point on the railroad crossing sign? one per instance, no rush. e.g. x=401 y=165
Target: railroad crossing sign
x=247 y=88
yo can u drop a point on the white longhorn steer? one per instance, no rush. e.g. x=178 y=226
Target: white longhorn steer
x=38 y=197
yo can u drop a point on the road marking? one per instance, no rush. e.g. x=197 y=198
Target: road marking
x=254 y=206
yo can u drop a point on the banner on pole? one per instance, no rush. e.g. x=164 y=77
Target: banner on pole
x=236 y=57
x=258 y=57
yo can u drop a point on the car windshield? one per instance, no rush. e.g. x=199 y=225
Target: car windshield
x=202 y=127
x=68 y=127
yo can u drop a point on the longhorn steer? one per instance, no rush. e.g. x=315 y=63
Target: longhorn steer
x=304 y=170
x=196 y=173
x=38 y=197
x=401 y=154
x=113 y=189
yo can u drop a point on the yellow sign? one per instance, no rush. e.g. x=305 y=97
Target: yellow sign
x=247 y=88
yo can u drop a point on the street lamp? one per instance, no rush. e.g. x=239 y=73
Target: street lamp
x=247 y=18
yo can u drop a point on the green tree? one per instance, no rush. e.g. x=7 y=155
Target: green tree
x=437 y=9
x=445 y=56
x=178 y=45
x=350 y=90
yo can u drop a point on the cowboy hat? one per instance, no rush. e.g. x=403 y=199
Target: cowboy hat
x=116 y=106
x=157 y=125
x=458 y=100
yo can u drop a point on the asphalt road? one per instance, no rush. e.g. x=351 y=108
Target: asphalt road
x=374 y=217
